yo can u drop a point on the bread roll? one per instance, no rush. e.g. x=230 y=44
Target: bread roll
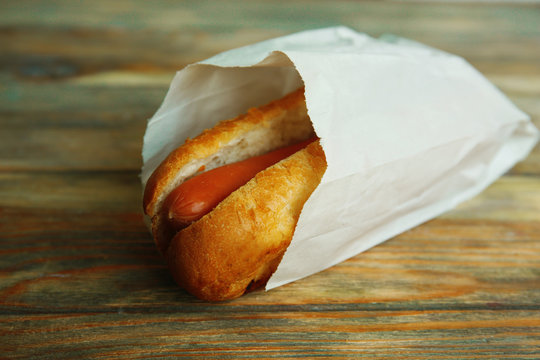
x=239 y=244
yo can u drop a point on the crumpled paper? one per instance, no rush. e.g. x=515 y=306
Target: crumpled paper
x=408 y=131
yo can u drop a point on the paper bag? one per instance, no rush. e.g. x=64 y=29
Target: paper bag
x=408 y=132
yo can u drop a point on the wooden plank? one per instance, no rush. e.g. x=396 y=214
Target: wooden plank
x=44 y=124
x=50 y=148
x=442 y=265
x=443 y=19
x=86 y=50
x=126 y=92
x=511 y=198
x=246 y=333
x=92 y=243
x=71 y=191
x=185 y=33
x=81 y=51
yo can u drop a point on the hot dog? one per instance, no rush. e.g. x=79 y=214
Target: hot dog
x=224 y=205
x=195 y=197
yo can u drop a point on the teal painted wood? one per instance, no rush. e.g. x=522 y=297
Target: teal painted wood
x=80 y=276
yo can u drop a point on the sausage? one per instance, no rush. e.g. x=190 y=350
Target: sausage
x=199 y=195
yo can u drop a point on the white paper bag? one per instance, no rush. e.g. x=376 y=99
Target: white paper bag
x=408 y=132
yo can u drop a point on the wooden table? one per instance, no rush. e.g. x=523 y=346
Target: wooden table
x=80 y=277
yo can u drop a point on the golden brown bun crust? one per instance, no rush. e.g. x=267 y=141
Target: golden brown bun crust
x=209 y=142
x=241 y=242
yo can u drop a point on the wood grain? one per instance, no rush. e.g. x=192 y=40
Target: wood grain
x=80 y=276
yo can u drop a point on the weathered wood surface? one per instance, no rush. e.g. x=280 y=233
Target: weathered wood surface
x=79 y=275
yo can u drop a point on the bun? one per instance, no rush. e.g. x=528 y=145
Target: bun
x=239 y=244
